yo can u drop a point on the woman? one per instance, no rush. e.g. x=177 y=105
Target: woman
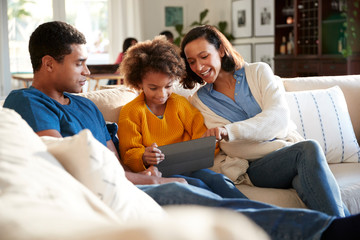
x=244 y=106
x=128 y=42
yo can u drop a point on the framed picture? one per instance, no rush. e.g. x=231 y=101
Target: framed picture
x=264 y=52
x=264 y=18
x=242 y=18
x=174 y=16
x=245 y=51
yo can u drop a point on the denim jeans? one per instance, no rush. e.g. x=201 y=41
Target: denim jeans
x=279 y=223
x=303 y=167
x=214 y=182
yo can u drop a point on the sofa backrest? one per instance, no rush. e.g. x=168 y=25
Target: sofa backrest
x=349 y=84
x=110 y=101
x=113 y=97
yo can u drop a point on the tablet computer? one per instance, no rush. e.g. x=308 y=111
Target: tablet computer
x=188 y=156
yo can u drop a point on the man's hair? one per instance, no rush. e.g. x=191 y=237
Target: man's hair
x=53 y=39
x=156 y=56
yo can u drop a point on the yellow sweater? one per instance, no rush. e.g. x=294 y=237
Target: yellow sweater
x=139 y=127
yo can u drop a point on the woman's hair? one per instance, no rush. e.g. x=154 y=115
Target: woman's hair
x=231 y=61
x=128 y=43
x=158 y=56
x=53 y=39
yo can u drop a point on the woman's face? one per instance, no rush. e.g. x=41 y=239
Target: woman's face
x=204 y=59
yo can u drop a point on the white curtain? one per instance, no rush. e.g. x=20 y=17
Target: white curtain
x=5 y=79
x=125 y=21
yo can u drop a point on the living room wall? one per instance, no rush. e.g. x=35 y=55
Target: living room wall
x=152 y=18
x=153 y=14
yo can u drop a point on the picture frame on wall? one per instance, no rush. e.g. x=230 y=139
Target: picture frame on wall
x=242 y=18
x=245 y=51
x=264 y=18
x=264 y=52
x=174 y=15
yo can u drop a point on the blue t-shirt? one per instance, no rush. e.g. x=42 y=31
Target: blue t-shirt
x=244 y=106
x=44 y=113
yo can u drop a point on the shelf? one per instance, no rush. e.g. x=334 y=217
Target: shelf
x=318 y=30
x=284 y=25
x=332 y=21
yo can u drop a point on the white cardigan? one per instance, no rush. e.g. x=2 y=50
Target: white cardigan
x=251 y=139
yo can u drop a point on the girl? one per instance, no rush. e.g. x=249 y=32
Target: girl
x=158 y=117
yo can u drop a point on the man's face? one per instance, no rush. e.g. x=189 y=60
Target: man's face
x=72 y=71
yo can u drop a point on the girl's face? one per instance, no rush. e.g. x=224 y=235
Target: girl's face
x=204 y=59
x=157 y=88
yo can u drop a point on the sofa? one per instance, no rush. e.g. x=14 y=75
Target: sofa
x=74 y=188
x=328 y=107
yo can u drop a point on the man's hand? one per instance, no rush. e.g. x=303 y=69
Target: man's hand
x=144 y=179
x=152 y=155
x=219 y=132
x=169 y=180
x=152 y=171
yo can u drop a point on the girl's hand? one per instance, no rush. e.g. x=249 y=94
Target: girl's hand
x=152 y=155
x=219 y=132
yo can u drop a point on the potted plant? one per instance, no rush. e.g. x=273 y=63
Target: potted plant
x=222 y=25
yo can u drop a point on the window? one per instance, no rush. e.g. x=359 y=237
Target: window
x=91 y=18
x=23 y=17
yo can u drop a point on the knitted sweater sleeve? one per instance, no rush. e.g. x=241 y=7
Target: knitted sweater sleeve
x=274 y=119
x=130 y=138
x=193 y=120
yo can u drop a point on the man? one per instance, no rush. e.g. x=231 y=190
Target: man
x=169 y=36
x=58 y=56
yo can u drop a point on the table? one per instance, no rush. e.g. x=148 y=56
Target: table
x=97 y=77
x=26 y=78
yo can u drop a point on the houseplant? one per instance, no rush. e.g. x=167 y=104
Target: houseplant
x=222 y=26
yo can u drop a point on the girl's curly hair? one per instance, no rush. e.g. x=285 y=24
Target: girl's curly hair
x=157 y=55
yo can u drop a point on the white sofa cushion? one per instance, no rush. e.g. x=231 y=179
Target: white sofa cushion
x=323 y=115
x=39 y=200
x=349 y=84
x=97 y=168
x=110 y=101
x=348 y=178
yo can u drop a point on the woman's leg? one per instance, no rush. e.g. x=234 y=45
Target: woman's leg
x=218 y=183
x=302 y=166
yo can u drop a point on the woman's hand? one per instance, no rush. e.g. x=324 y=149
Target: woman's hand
x=152 y=155
x=219 y=132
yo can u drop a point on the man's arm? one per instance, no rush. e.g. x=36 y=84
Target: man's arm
x=49 y=132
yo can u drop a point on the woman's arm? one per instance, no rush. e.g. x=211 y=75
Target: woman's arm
x=274 y=119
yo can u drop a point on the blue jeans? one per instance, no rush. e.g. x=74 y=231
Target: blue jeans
x=279 y=223
x=303 y=167
x=213 y=182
